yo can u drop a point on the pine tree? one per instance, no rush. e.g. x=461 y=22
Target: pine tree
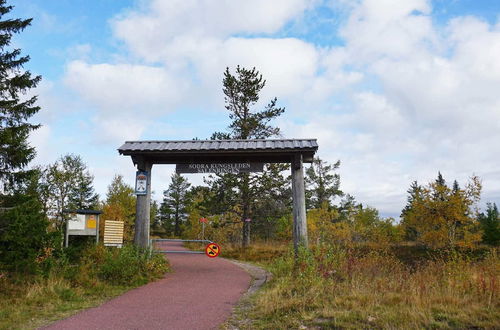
x=241 y=94
x=414 y=195
x=348 y=208
x=440 y=188
x=271 y=202
x=175 y=199
x=83 y=196
x=70 y=187
x=154 y=215
x=15 y=152
x=490 y=223
x=165 y=218
x=322 y=184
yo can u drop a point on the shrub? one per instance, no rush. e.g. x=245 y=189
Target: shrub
x=128 y=265
x=25 y=244
x=336 y=286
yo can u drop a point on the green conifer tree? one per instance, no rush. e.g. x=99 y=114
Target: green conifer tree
x=15 y=111
x=490 y=224
x=414 y=194
x=23 y=224
x=175 y=199
x=241 y=92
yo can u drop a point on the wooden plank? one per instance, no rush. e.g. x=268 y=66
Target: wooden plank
x=113 y=232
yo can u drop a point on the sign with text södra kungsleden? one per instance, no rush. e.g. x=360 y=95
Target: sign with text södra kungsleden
x=219 y=168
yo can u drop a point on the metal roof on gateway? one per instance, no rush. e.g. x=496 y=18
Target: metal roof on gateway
x=191 y=145
x=269 y=150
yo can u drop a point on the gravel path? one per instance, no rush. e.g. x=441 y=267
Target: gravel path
x=199 y=294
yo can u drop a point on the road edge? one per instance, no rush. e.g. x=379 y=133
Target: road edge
x=239 y=317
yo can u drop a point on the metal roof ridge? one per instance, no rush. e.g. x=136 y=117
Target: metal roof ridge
x=226 y=140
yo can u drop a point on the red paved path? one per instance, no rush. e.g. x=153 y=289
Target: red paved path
x=199 y=294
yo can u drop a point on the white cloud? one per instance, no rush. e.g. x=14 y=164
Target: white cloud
x=161 y=23
x=435 y=104
x=126 y=96
x=400 y=100
x=124 y=87
x=388 y=29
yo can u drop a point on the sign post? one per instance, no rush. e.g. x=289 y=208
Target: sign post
x=203 y=222
x=143 y=203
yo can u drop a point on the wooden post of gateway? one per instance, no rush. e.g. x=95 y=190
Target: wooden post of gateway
x=143 y=204
x=299 y=204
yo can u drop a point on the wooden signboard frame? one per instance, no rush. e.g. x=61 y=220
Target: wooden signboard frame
x=82 y=223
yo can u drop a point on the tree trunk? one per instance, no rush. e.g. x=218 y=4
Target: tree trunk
x=177 y=228
x=245 y=196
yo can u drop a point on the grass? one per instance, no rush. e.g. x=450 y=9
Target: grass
x=339 y=287
x=29 y=306
x=31 y=301
x=260 y=253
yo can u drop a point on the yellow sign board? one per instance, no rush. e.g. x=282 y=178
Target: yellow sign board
x=91 y=222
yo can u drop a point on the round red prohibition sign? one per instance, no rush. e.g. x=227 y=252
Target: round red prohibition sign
x=212 y=250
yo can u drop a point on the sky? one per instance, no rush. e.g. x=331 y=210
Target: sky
x=395 y=90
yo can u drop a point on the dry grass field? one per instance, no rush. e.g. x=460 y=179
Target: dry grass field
x=339 y=287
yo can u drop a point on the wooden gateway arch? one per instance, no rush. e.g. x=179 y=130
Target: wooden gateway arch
x=219 y=156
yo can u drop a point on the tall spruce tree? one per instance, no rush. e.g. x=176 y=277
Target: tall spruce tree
x=490 y=224
x=414 y=194
x=83 y=196
x=15 y=152
x=165 y=218
x=175 y=200
x=241 y=92
x=23 y=228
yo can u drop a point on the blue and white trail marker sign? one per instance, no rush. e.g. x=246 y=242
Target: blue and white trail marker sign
x=141 y=183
